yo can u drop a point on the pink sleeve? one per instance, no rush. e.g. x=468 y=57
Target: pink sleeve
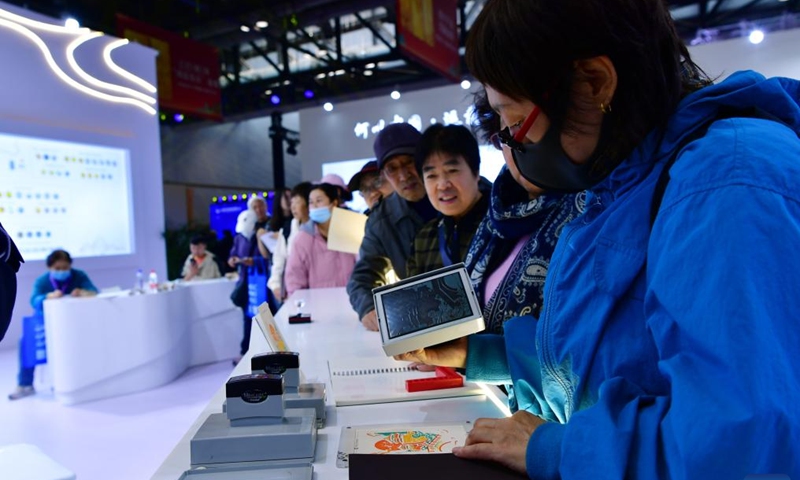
x=297 y=266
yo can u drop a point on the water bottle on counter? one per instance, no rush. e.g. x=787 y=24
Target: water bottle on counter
x=152 y=281
x=138 y=287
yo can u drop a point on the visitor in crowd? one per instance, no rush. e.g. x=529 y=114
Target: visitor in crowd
x=60 y=280
x=200 y=264
x=448 y=161
x=394 y=223
x=311 y=263
x=298 y=205
x=241 y=257
x=370 y=184
x=662 y=342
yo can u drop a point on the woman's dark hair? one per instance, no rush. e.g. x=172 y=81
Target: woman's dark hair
x=527 y=49
x=485 y=121
x=279 y=218
x=330 y=191
x=56 y=256
x=451 y=140
x=302 y=190
x=198 y=239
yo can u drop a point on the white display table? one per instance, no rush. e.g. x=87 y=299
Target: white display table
x=334 y=332
x=115 y=344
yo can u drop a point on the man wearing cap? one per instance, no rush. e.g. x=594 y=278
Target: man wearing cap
x=394 y=223
x=371 y=185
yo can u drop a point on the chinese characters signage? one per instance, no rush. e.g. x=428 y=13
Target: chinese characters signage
x=365 y=129
x=188 y=71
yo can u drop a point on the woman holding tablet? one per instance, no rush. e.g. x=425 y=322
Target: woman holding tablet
x=668 y=334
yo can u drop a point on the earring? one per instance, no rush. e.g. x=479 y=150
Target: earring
x=605 y=108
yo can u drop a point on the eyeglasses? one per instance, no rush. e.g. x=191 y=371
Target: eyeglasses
x=394 y=167
x=511 y=139
x=371 y=185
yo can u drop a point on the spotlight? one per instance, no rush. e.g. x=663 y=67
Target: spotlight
x=178 y=117
x=756 y=36
x=71 y=23
x=235 y=197
x=309 y=94
x=244 y=28
x=265 y=194
x=328 y=107
x=224 y=198
x=367 y=73
x=395 y=95
x=214 y=199
x=262 y=24
x=276 y=100
x=466 y=84
x=163 y=117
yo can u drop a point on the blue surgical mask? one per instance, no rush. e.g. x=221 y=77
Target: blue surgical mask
x=319 y=215
x=60 y=275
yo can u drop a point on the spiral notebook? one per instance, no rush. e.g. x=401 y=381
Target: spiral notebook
x=361 y=381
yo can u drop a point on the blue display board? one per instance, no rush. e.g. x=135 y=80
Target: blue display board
x=223 y=212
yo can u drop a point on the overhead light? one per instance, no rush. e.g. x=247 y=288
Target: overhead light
x=178 y=117
x=320 y=76
x=330 y=74
x=395 y=95
x=262 y=24
x=465 y=84
x=756 y=36
x=433 y=121
x=321 y=52
x=276 y=100
x=367 y=73
x=309 y=94
x=287 y=82
x=340 y=72
x=328 y=107
x=268 y=92
x=369 y=66
x=72 y=24
x=244 y=28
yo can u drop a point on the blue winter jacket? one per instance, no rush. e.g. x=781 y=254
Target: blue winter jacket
x=673 y=353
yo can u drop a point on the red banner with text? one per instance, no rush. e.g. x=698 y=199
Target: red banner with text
x=188 y=71
x=428 y=32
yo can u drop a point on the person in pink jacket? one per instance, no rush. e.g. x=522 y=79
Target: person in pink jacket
x=311 y=264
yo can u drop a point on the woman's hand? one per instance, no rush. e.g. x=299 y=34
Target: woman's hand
x=233 y=261
x=450 y=354
x=503 y=440
x=54 y=294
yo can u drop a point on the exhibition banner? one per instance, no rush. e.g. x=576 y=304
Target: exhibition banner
x=427 y=31
x=188 y=71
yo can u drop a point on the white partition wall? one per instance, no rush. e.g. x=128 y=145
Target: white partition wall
x=81 y=101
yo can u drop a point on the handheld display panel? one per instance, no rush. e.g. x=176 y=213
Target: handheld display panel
x=427 y=309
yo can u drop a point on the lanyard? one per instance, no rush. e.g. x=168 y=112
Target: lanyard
x=446 y=260
x=64 y=286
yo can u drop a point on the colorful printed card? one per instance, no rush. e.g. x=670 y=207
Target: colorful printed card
x=400 y=439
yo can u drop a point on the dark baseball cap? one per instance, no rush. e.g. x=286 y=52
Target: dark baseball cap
x=395 y=139
x=355 y=183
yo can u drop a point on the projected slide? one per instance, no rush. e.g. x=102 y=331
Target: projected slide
x=74 y=196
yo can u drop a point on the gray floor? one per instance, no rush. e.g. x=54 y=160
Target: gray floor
x=121 y=438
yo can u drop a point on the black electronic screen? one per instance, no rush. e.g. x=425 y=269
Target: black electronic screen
x=417 y=307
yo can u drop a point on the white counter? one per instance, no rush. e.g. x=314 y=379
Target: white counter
x=121 y=343
x=334 y=332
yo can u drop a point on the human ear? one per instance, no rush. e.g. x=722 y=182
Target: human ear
x=596 y=80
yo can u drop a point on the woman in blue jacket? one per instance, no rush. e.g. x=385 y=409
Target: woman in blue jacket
x=61 y=280
x=667 y=345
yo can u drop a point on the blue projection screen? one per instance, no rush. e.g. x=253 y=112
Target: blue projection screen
x=74 y=196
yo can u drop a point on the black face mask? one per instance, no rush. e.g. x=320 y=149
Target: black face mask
x=546 y=164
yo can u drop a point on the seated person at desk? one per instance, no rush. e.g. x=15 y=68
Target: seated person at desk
x=311 y=264
x=200 y=264
x=448 y=160
x=61 y=280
